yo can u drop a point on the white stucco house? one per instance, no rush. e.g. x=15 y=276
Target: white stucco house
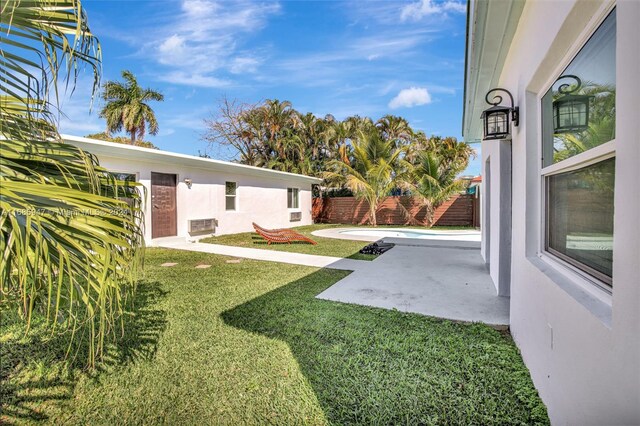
x=194 y=197
x=561 y=194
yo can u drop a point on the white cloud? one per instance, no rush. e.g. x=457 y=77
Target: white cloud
x=193 y=79
x=170 y=48
x=411 y=97
x=243 y=65
x=418 y=10
x=454 y=6
x=77 y=115
x=198 y=7
x=201 y=43
x=385 y=44
x=336 y=64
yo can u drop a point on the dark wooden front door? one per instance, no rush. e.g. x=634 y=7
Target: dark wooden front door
x=163 y=205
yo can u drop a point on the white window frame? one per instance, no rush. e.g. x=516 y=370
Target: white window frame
x=295 y=208
x=595 y=155
x=234 y=196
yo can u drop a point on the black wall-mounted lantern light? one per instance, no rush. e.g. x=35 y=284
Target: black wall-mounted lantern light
x=496 y=119
x=570 y=112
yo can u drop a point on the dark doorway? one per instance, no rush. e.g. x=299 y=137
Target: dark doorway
x=163 y=205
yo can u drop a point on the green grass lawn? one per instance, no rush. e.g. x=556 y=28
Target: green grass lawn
x=325 y=246
x=248 y=343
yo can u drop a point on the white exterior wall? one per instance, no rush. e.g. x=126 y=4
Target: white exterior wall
x=260 y=200
x=582 y=345
x=261 y=195
x=496 y=216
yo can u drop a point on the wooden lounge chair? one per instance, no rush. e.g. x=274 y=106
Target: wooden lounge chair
x=275 y=231
x=281 y=235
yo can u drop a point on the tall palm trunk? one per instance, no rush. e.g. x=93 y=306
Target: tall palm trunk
x=373 y=208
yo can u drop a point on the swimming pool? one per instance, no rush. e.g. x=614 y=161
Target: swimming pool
x=415 y=233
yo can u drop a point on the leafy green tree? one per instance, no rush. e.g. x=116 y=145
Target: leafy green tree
x=274 y=135
x=104 y=136
x=70 y=245
x=127 y=107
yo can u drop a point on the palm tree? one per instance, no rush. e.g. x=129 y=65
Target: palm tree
x=277 y=119
x=127 y=108
x=433 y=183
x=70 y=246
x=377 y=166
x=435 y=170
x=396 y=129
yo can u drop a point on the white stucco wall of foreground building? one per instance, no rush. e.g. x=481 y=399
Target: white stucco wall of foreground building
x=261 y=194
x=580 y=342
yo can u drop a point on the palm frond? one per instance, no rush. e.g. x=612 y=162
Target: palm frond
x=71 y=236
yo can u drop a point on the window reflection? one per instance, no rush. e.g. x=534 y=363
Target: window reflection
x=579 y=109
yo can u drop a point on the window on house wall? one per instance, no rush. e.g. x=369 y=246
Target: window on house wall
x=578 y=157
x=292 y=198
x=125 y=179
x=230 y=195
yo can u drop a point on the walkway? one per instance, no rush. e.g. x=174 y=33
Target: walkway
x=445 y=279
x=260 y=254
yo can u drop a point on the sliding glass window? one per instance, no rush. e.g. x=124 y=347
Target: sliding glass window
x=578 y=157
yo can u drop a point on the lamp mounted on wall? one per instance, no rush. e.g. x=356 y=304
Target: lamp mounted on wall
x=570 y=112
x=496 y=119
x=189 y=182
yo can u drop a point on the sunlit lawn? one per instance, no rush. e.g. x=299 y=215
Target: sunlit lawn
x=325 y=247
x=248 y=343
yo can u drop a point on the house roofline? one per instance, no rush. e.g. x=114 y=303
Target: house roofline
x=491 y=26
x=466 y=59
x=98 y=147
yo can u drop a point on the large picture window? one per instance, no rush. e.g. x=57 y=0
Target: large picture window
x=578 y=157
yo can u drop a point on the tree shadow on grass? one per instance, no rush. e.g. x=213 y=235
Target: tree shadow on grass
x=375 y=366
x=35 y=375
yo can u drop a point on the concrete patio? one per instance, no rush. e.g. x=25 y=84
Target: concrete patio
x=445 y=279
x=436 y=277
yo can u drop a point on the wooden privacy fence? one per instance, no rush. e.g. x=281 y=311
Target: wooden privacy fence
x=459 y=210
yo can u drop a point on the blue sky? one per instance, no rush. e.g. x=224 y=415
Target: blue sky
x=369 y=58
